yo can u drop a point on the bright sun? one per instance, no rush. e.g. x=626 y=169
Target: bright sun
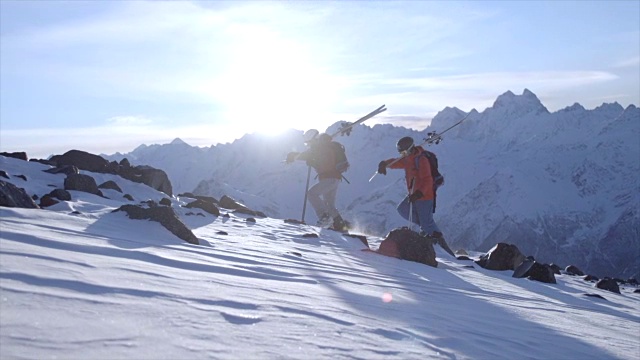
x=272 y=84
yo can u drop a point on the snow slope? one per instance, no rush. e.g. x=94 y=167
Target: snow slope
x=78 y=281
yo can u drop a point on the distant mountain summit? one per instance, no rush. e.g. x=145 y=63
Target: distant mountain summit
x=178 y=141
x=519 y=104
x=562 y=186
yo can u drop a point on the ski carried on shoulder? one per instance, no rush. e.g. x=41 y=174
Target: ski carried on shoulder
x=432 y=138
x=346 y=128
x=435 y=138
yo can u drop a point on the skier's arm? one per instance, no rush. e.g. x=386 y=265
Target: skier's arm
x=395 y=163
x=382 y=166
x=291 y=157
x=304 y=156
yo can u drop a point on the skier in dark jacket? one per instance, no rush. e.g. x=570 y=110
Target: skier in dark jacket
x=322 y=196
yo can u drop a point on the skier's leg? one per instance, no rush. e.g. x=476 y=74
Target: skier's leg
x=403 y=209
x=429 y=226
x=313 y=195
x=425 y=216
x=329 y=196
x=330 y=202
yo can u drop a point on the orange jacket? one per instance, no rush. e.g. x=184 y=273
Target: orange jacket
x=420 y=175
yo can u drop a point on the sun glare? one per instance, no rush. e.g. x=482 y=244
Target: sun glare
x=272 y=84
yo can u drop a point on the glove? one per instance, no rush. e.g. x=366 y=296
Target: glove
x=291 y=157
x=382 y=167
x=415 y=196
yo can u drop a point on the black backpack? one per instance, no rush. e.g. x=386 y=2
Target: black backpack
x=342 y=164
x=438 y=179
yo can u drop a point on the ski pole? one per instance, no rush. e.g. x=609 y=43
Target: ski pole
x=413 y=185
x=306 y=190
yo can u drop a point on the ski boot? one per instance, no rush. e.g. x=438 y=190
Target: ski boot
x=339 y=224
x=439 y=239
x=324 y=220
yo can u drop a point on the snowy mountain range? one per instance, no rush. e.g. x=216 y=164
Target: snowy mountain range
x=79 y=280
x=562 y=186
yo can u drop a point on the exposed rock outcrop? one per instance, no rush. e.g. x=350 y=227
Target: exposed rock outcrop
x=501 y=257
x=165 y=216
x=406 y=244
x=13 y=196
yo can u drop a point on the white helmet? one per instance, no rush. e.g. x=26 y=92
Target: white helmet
x=310 y=135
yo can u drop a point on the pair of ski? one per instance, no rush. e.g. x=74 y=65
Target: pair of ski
x=346 y=128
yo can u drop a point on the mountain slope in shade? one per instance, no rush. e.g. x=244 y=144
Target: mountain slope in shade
x=563 y=186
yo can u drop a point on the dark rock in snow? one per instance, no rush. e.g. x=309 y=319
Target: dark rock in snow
x=4 y=174
x=207 y=206
x=165 y=202
x=16 y=155
x=110 y=184
x=609 y=285
x=229 y=203
x=591 y=278
x=48 y=200
x=573 y=270
x=541 y=272
x=501 y=257
x=60 y=194
x=149 y=203
x=165 y=216
x=555 y=268
x=81 y=182
x=148 y=175
x=406 y=244
x=82 y=160
x=596 y=296
x=13 y=196
x=200 y=197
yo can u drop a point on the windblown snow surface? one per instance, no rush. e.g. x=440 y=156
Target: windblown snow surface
x=80 y=282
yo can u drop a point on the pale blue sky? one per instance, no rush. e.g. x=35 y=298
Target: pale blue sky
x=106 y=76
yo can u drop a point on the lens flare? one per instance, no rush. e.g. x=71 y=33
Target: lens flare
x=386 y=297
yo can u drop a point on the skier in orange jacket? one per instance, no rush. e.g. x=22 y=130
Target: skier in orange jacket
x=418 y=206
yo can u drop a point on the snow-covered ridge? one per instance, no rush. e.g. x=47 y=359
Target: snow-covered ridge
x=563 y=186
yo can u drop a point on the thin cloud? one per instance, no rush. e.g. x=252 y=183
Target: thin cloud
x=627 y=63
x=129 y=120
